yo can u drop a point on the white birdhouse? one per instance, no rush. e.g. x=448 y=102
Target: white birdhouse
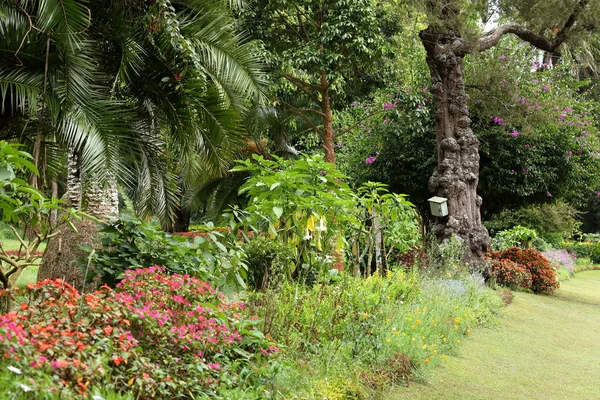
x=439 y=206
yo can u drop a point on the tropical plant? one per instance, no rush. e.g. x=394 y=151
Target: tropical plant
x=27 y=212
x=132 y=89
x=302 y=203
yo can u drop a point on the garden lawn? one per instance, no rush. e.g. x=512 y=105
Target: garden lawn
x=546 y=347
x=29 y=274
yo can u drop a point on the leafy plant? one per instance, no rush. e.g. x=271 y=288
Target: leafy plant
x=519 y=236
x=129 y=243
x=302 y=203
x=387 y=224
x=31 y=217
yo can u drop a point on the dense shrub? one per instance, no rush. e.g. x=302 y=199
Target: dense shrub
x=518 y=236
x=510 y=274
x=543 y=276
x=268 y=262
x=130 y=243
x=154 y=336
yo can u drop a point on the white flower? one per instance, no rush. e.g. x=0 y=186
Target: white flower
x=25 y=387
x=97 y=397
x=14 y=369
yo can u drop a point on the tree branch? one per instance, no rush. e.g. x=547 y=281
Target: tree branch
x=491 y=38
x=304 y=117
x=304 y=86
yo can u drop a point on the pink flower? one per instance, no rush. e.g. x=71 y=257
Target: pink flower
x=548 y=194
x=370 y=160
x=546 y=88
x=514 y=133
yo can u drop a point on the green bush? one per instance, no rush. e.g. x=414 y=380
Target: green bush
x=268 y=262
x=553 y=222
x=129 y=243
x=375 y=331
x=518 y=236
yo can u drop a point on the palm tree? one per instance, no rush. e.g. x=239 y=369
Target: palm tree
x=137 y=87
x=129 y=89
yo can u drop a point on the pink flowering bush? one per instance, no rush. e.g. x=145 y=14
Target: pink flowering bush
x=155 y=336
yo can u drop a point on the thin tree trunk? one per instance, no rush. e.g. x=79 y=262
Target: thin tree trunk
x=327 y=121
x=457 y=173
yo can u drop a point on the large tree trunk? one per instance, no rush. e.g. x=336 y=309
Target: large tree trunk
x=457 y=173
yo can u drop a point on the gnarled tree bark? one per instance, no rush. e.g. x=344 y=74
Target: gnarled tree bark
x=457 y=173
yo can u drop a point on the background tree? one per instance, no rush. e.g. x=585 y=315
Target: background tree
x=449 y=37
x=320 y=51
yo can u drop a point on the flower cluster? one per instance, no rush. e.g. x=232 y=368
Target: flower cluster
x=154 y=336
x=562 y=258
x=543 y=276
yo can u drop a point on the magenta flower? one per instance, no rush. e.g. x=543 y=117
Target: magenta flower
x=548 y=194
x=370 y=160
x=387 y=106
x=546 y=88
x=502 y=58
x=514 y=133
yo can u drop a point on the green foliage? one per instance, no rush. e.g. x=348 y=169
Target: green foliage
x=355 y=329
x=268 y=261
x=537 y=128
x=305 y=39
x=398 y=138
x=388 y=225
x=129 y=243
x=554 y=222
x=303 y=203
x=26 y=212
x=518 y=236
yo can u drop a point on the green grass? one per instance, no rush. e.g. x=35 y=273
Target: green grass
x=546 y=347
x=29 y=274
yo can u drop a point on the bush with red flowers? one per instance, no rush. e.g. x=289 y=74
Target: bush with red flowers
x=543 y=275
x=510 y=274
x=155 y=336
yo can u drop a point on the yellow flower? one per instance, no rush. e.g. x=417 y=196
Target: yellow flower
x=456 y=308
x=426 y=361
x=457 y=320
x=445 y=340
x=443 y=357
x=435 y=325
x=412 y=327
x=388 y=297
x=418 y=321
x=468 y=331
x=424 y=309
x=434 y=351
x=365 y=315
x=424 y=346
x=455 y=326
x=397 y=333
x=422 y=337
x=388 y=320
x=458 y=341
x=409 y=319
x=414 y=340
x=387 y=340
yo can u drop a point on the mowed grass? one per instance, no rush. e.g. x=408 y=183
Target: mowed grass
x=29 y=274
x=546 y=347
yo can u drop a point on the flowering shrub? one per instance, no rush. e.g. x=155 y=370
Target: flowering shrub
x=543 y=276
x=154 y=336
x=562 y=258
x=510 y=274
